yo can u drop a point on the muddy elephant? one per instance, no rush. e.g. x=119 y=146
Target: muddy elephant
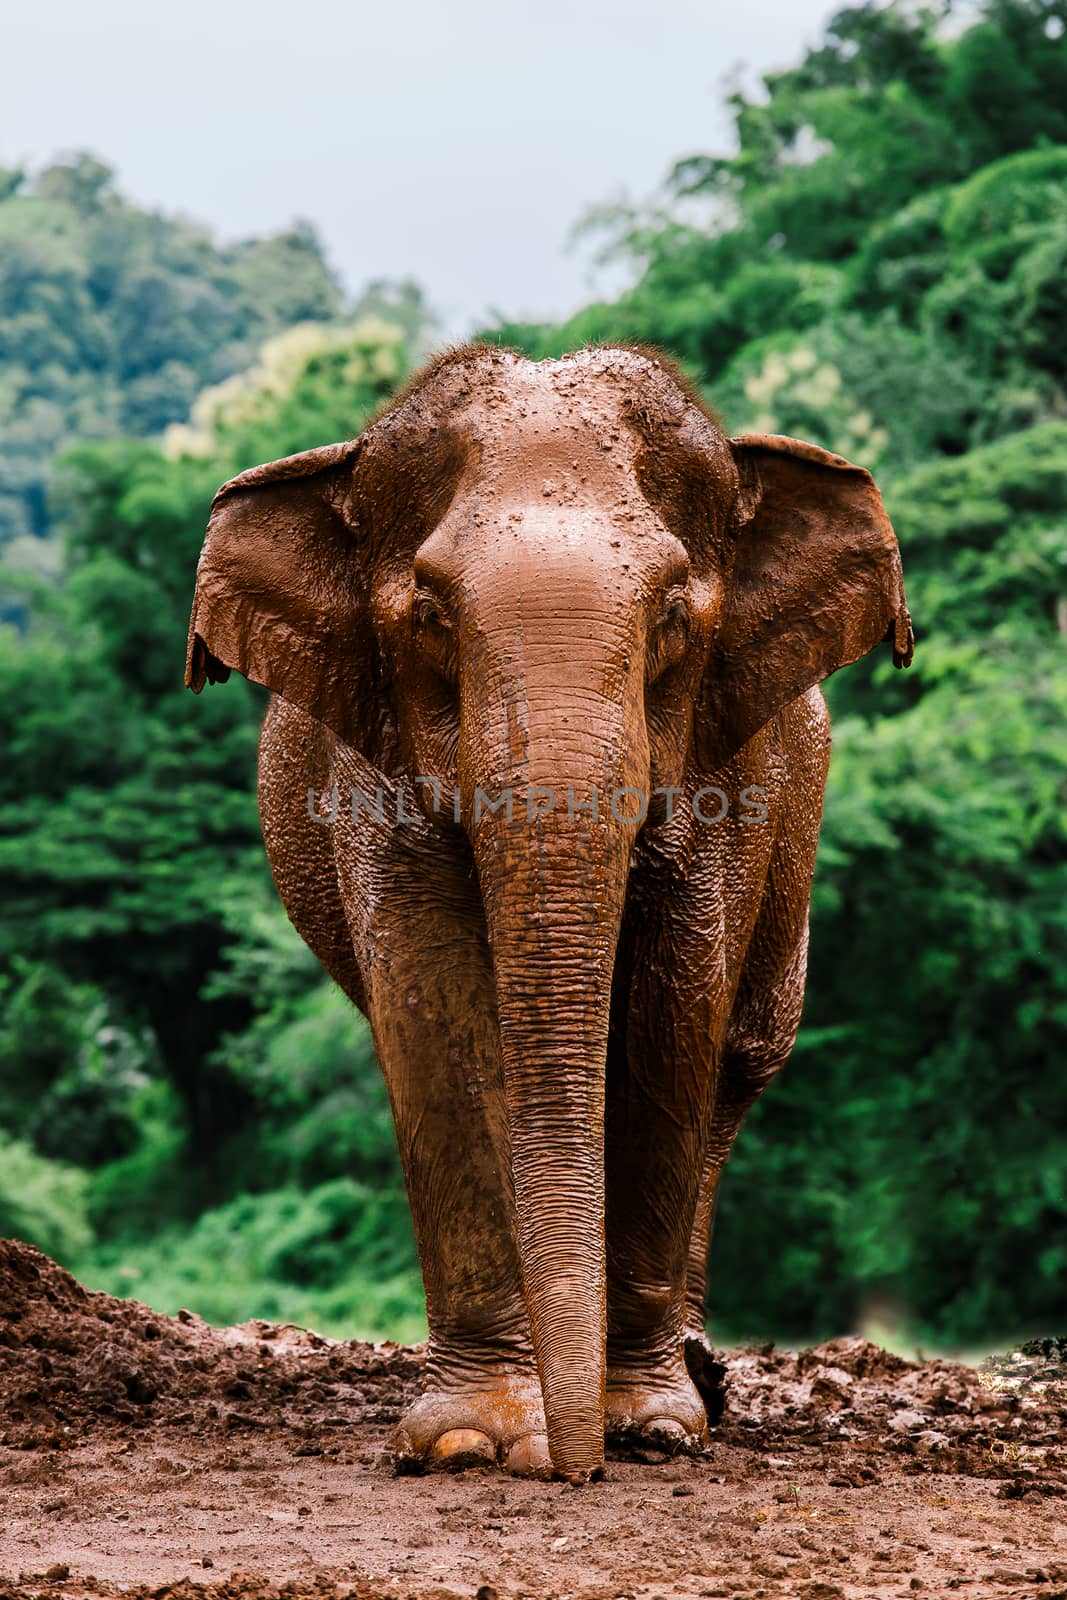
x=540 y=786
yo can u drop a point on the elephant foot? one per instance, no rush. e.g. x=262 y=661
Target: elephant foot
x=498 y=1421
x=660 y=1412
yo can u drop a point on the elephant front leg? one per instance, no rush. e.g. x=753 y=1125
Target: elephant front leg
x=660 y=1085
x=481 y=1401
x=431 y=1003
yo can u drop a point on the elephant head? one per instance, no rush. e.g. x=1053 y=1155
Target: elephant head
x=555 y=579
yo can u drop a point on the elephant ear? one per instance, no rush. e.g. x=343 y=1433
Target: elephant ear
x=279 y=592
x=815 y=583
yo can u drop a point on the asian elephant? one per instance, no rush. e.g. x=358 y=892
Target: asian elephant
x=540 y=785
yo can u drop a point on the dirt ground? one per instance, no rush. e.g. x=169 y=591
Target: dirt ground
x=148 y=1456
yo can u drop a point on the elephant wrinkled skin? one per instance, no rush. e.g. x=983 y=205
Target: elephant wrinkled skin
x=545 y=644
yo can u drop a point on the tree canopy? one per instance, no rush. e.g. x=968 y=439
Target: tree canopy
x=115 y=318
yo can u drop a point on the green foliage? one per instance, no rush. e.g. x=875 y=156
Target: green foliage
x=338 y=1257
x=114 y=319
x=153 y=1185
x=164 y=1026
x=42 y=1201
x=322 y=1104
x=309 y=384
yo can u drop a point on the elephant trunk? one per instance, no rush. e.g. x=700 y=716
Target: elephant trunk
x=554 y=885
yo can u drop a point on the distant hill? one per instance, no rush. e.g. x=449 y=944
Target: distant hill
x=112 y=318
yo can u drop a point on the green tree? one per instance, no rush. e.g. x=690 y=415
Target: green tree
x=114 y=318
x=127 y=808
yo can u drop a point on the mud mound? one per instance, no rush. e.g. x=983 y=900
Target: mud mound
x=73 y=1361
x=939 y=1414
x=156 y=1456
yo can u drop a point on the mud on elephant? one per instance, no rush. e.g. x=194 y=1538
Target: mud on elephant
x=524 y=626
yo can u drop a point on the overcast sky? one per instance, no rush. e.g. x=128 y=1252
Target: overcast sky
x=455 y=142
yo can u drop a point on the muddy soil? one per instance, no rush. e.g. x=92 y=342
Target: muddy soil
x=147 y=1456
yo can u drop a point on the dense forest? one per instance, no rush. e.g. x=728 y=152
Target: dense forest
x=114 y=319
x=189 y=1112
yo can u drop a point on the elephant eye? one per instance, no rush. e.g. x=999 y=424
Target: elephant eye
x=428 y=616
x=434 y=633
x=670 y=637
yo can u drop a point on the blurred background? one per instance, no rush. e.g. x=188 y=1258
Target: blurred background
x=851 y=227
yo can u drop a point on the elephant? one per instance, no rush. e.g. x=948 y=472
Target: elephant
x=525 y=635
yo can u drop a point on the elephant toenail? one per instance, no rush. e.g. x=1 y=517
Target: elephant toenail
x=529 y=1457
x=666 y=1432
x=463 y=1447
